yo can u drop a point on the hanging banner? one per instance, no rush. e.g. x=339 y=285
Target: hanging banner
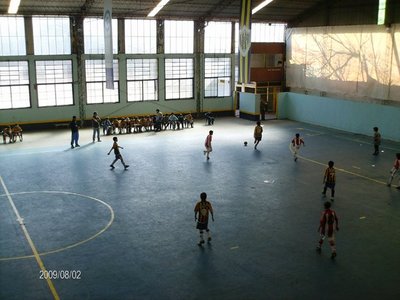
x=244 y=40
x=108 y=45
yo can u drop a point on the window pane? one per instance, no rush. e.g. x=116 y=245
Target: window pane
x=217 y=37
x=135 y=91
x=179 y=78
x=140 y=36
x=96 y=85
x=12 y=36
x=96 y=70
x=54 y=71
x=5 y=97
x=211 y=87
x=20 y=96
x=142 y=75
x=51 y=35
x=14 y=84
x=47 y=95
x=54 y=80
x=94 y=92
x=93 y=31
x=217 y=73
x=178 y=36
x=268 y=32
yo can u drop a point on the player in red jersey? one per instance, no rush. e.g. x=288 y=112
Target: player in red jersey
x=327 y=225
x=330 y=180
x=296 y=144
x=394 y=171
x=201 y=211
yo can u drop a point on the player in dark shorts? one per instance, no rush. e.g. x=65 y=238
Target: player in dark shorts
x=201 y=212
x=118 y=155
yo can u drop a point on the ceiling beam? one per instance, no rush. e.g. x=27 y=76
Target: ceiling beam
x=87 y=6
x=217 y=7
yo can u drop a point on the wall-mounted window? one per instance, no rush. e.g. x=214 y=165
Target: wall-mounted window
x=217 y=37
x=51 y=35
x=179 y=79
x=263 y=33
x=140 y=36
x=54 y=82
x=93 y=31
x=96 y=91
x=142 y=76
x=217 y=77
x=178 y=36
x=12 y=36
x=268 y=33
x=14 y=84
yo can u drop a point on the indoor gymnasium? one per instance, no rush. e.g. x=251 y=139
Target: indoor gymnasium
x=199 y=149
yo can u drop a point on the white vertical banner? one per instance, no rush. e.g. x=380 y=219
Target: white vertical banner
x=108 y=45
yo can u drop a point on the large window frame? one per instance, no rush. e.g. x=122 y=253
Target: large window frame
x=140 y=36
x=93 y=34
x=14 y=85
x=178 y=36
x=96 y=91
x=179 y=78
x=51 y=35
x=218 y=37
x=54 y=82
x=12 y=36
x=142 y=79
x=217 y=77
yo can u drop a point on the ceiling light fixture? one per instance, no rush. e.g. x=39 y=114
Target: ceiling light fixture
x=14 y=5
x=261 y=6
x=158 y=8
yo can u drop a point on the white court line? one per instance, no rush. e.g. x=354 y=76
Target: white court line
x=28 y=238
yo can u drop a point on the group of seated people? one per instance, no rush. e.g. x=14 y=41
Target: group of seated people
x=146 y=123
x=12 y=133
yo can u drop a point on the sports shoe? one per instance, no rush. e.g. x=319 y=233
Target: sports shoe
x=112 y=167
x=126 y=167
x=72 y=147
x=389 y=185
x=295 y=159
x=333 y=255
x=77 y=145
x=201 y=243
x=209 y=239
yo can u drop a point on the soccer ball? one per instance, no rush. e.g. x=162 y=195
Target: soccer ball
x=245 y=144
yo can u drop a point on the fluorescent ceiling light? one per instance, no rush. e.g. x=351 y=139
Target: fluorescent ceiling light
x=13 y=8
x=261 y=6
x=158 y=8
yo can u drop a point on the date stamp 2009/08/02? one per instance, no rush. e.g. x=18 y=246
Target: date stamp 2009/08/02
x=60 y=274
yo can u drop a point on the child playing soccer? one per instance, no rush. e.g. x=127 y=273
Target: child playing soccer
x=329 y=180
x=394 y=171
x=296 y=144
x=207 y=144
x=258 y=130
x=377 y=141
x=327 y=221
x=202 y=210
x=117 y=153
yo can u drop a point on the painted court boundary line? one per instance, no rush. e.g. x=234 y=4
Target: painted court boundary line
x=28 y=238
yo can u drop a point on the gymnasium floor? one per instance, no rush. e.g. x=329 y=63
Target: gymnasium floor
x=131 y=234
